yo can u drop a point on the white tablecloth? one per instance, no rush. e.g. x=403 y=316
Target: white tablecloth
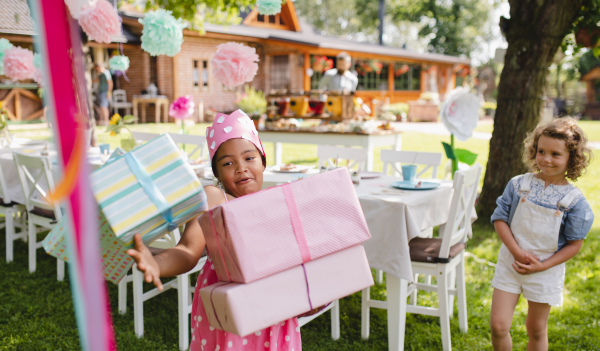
x=397 y=216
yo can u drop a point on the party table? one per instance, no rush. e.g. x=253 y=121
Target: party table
x=368 y=141
x=161 y=102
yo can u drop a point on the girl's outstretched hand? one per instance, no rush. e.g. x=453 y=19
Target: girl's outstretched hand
x=533 y=266
x=145 y=262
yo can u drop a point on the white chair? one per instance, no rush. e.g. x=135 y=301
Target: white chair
x=13 y=212
x=36 y=179
x=143 y=136
x=392 y=159
x=183 y=284
x=335 y=318
x=440 y=257
x=119 y=101
x=196 y=145
x=333 y=156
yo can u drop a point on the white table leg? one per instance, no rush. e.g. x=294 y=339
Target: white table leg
x=398 y=145
x=370 y=157
x=397 y=289
x=278 y=153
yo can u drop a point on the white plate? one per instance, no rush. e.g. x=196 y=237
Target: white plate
x=29 y=142
x=296 y=169
x=370 y=175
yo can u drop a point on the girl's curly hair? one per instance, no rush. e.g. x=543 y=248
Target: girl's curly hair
x=575 y=141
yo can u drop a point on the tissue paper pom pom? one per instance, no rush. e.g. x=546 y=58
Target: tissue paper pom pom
x=268 y=7
x=234 y=64
x=162 y=33
x=101 y=22
x=37 y=73
x=119 y=63
x=182 y=108
x=4 y=45
x=18 y=63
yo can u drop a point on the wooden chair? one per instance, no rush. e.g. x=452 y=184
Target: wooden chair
x=119 y=101
x=333 y=156
x=36 y=179
x=440 y=257
x=392 y=159
x=13 y=212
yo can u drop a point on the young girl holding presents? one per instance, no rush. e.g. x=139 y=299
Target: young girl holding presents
x=238 y=161
x=542 y=220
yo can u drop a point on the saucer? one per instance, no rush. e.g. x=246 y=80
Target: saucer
x=412 y=185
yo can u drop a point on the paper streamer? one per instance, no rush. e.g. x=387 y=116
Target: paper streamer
x=61 y=49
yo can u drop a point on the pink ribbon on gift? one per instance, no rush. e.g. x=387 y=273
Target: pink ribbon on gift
x=296 y=223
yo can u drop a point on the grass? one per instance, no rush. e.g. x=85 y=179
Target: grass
x=591 y=129
x=36 y=312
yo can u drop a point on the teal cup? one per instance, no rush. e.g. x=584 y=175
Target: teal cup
x=409 y=173
x=104 y=149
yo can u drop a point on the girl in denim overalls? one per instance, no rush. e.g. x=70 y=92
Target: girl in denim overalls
x=542 y=220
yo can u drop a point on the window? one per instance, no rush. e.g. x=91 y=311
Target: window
x=271 y=19
x=196 y=74
x=200 y=74
x=319 y=64
x=372 y=75
x=407 y=76
x=280 y=72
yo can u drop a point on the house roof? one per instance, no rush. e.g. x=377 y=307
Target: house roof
x=18 y=20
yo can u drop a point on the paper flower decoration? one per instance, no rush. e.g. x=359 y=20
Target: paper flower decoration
x=18 y=63
x=162 y=33
x=460 y=113
x=101 y=22
x=268 y=7
x=182 y=108
x=234 y=64
x=4 y=45
x=119 y=63
x=37 y=73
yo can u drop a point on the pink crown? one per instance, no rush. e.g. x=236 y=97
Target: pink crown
x=233 y=126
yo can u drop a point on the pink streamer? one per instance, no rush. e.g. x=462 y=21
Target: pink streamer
x=65 y=67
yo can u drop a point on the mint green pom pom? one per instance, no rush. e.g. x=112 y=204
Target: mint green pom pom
x=4 y=45
x=119 y=63
x=162 y=33
x=268 y=7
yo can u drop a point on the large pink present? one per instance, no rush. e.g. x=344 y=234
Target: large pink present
x=243 y=309
x=267 y=232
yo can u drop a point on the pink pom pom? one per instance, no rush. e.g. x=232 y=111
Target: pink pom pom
x=234 y=64
x=18 y=63
x=101 y=22
x=182 y=108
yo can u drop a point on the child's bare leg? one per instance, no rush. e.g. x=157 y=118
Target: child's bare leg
x=503 y=308
x=537 y=326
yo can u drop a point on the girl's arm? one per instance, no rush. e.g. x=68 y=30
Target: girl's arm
x=509 y=241
x=563 y=255
x=181 y=258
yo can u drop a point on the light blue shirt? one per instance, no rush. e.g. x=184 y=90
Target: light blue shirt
x=576 y=221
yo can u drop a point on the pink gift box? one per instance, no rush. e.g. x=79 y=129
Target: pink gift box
x=243 y=309
x=267 y=232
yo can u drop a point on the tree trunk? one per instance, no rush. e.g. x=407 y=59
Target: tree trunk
x=534 y=32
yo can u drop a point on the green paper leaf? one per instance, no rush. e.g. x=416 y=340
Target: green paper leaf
x=129 y=119
x=112 y=128
x=449 y=151
x=465 y=156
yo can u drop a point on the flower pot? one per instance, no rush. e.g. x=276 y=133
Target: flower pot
x=128 y=144
x=587 y=37
x=256 y=121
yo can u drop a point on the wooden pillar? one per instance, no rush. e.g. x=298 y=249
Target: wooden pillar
x=306 y=67
x=391 y=77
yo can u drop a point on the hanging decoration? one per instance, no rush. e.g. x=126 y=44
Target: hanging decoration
x=100 y=22
x=162 y=33
x=321 y=63
x=119 y=63
x=268 y=7
x=37 y=73
x=234 y=64
x=400 y=70
x=4 y=45
x=18 y=63
x=63 y=65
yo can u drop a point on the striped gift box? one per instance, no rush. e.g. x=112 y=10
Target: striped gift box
x=128 y=205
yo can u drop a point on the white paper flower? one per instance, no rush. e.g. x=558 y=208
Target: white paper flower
x=460 y=113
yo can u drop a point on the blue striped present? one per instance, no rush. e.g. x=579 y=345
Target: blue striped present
x=150 y=190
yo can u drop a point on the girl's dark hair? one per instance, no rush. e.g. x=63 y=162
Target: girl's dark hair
x=565 y=129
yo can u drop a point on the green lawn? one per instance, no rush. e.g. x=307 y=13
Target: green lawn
x=591 y=129
x=36 y=312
